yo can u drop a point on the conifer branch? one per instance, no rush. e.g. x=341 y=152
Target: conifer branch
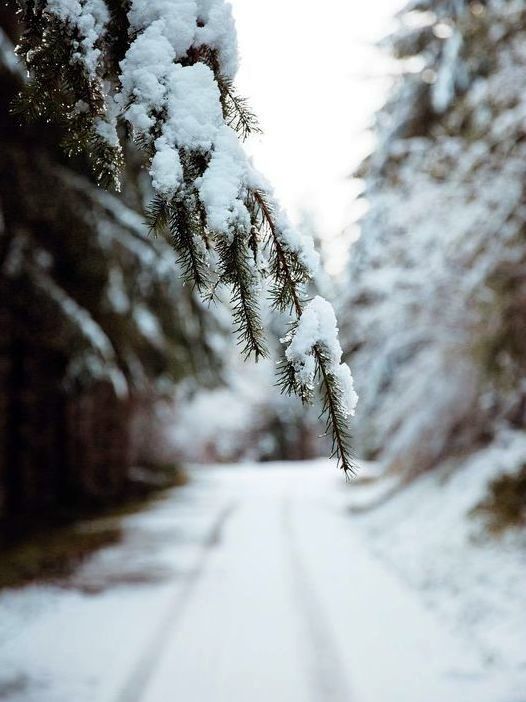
x=61 y=91
x=336 y=420
x=186 y=229
x=289 y=285
x=180 y=218
x=287 y=274
x=203 y=182
x=237 y=270
x=237 y=111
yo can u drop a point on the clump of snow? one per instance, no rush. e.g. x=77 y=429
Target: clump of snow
x=152 y=83
x=89 y=18
x=223 y=185
x=166 y=170
x=218 y=32
x=317 y=329
x=194 y=114
x=175 y=19
x=183 y=102
x=191 y=23
x=144 y=71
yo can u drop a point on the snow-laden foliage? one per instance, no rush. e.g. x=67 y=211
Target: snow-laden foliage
x=90 y=19
x=436 y=316
x=161 y=72
x=317 y=328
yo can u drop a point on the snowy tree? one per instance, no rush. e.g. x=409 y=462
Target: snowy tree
x=160 y=73
x=96 y=330
x=436 y=316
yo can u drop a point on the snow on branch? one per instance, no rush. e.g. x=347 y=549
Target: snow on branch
x=163 y=70
x=317 y=331
x=313 y=350
x=86 y=19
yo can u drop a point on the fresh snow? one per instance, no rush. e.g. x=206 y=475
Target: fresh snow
x=188 y=98
x=317 y=328
x=428 y=535
x=224 y=183
x=89 y=18
x=218 y=32
x=259 y=583
x=144 y=71
x=187 y=23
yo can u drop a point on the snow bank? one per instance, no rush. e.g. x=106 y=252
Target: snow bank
x=473 y=581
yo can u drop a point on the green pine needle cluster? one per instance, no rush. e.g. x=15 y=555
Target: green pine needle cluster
x=61 y=92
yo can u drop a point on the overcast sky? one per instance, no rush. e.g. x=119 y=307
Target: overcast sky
x=314 y=79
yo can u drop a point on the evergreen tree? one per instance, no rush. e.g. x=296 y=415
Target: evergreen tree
x=435 y=321
x=160 y=72
x=96 y=330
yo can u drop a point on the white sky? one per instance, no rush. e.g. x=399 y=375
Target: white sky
x=314 y=79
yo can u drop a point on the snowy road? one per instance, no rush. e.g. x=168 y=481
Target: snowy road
x=260 y=588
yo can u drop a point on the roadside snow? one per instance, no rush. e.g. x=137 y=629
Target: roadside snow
x=474 y=582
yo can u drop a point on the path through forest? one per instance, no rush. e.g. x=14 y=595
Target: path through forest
x=250 y=583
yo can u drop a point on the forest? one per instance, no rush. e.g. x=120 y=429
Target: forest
x=187 y=464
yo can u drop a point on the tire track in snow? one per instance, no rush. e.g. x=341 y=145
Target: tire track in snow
x=143 y=670
x=324 y=662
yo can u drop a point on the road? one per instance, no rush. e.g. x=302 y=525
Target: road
x=288 y=604
x=262 y=589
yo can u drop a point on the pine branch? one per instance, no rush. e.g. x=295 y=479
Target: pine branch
x=286 y=272
x=118 y=29
x=336 y=420
x=289 y=279
x=188 y=239
x=60 y=90
x=67 y=88
x=180 y=220
x=158 y=215
x=237 y=270
x=236 y=110
x=289 y=384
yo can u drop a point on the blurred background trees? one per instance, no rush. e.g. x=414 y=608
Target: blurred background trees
x=436 y=286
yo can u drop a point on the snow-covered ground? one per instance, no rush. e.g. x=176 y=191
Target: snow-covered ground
x=259 y=583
